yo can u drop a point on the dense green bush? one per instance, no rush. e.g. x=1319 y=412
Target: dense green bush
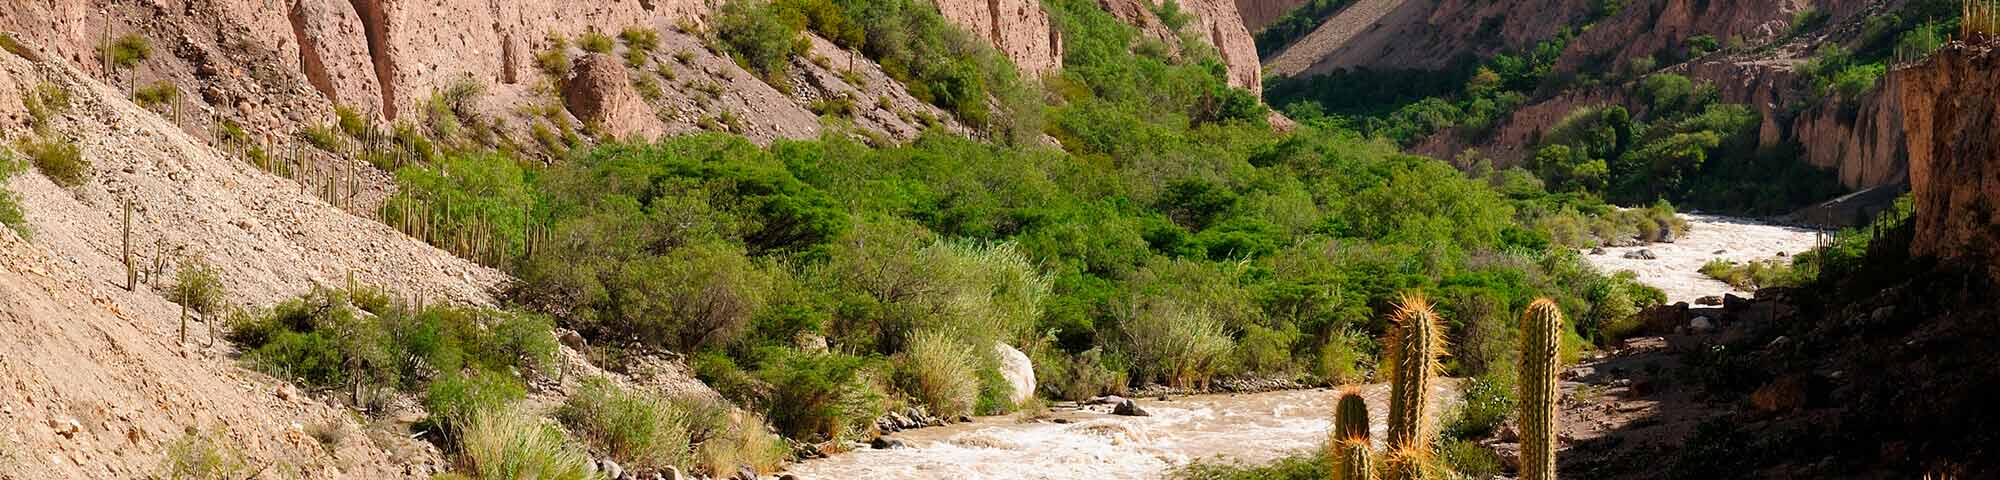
x=642 y=431
x=760 y=39
x=57 y=158
x=10 y=207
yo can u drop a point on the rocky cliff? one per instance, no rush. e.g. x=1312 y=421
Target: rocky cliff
x=1954 y=138
x=1215 y=23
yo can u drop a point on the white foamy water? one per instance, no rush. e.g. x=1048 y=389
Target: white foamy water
x=1677 y=271
x=1248 y=428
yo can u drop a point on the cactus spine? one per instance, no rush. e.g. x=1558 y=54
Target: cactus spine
x=1405 y=464
x=1540 y=357
x=1354 y=460
x=1416 y=339
x=1352 y=453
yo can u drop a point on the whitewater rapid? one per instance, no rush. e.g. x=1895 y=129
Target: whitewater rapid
x=1677 y=268
x=1088 y=442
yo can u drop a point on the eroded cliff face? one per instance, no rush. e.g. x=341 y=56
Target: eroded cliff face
x=1213 y=22
x=1019 y=28
x=1258 y=14
x=1953 y=124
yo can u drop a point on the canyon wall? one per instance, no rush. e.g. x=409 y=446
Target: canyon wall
x=1258 y=14
x=1954 y=133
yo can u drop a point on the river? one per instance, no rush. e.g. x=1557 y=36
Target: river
x=1677 y=266
x=1088 y=442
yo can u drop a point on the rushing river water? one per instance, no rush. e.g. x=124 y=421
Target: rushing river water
x=1677 y=266
x=1088 y=442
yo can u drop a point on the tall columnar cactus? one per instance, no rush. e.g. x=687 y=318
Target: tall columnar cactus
x=1540 y=326
x=1352 y=453
x=1354 y=459
x=1405 y=463
x=1416 y=339
x=1350 y=415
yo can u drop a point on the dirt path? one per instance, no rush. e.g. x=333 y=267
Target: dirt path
x=1300 y=56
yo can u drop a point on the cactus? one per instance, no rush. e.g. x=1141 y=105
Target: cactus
x=1540 y=326
x=1353 y=460
x=1351 y=449
x=131 y=274
x=1416 y=339
x=1405 y=463
x=1350 y=416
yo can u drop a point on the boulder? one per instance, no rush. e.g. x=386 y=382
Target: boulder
x=671 y=473
x=1641 y=254
x=1733 y=303
x=601 y=94
x=1701 y=325
x=1597 y=250
x=1018 y=371
x=745 y=473
x=1660 y=319
x=610 y=469
x=1130 y=408
x=886 y=443
x=1709 y=300
x=1784 y=394
x=1105 y=400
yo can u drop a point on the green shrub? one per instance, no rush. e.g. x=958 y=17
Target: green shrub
x=594 y=42
x=1078 y=377
x=940 y=373
x=127 y=51
x=456 y=400
x=322 y=136
x=507 y=443
x=1488 y=402
x=159 y=94
x=821 y=396
x=43 y=103
x=640 y=38
x=308 y=358
x=198 y=456
x=58 y=159
x=11 y=45
x=638 y=429
x=759 y=40
x=1304 y=467
x=554 y=61
x=1175 y=344
x=1469 y=459
x=10 y=207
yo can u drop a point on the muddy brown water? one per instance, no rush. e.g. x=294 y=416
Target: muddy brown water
x=1243 y=428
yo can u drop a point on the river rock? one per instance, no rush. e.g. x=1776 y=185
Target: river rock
x=745 y=473
x=1105 y=400
x=671 y=473
x=886 y=443
x=1641 y=254
x=1700 y=325
x=1018 y=370
x=1733 y=303
x=611 y=469
x=1130 y=408
x=1709 y=300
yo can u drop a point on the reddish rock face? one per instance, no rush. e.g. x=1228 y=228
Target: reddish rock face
x=1954 y=133
x=1018 y=28
x=600 y=93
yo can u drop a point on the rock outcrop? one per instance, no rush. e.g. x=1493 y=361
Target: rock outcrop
x=1954 y=132
x=599 y=93
x=1021 y=29
x=1214 y=22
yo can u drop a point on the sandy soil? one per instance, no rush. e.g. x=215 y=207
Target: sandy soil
x=1677 y=270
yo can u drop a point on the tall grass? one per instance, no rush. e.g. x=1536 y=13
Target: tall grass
x=643 y=431
x=508 y=443
x=1183 y=346
x=940 y=372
